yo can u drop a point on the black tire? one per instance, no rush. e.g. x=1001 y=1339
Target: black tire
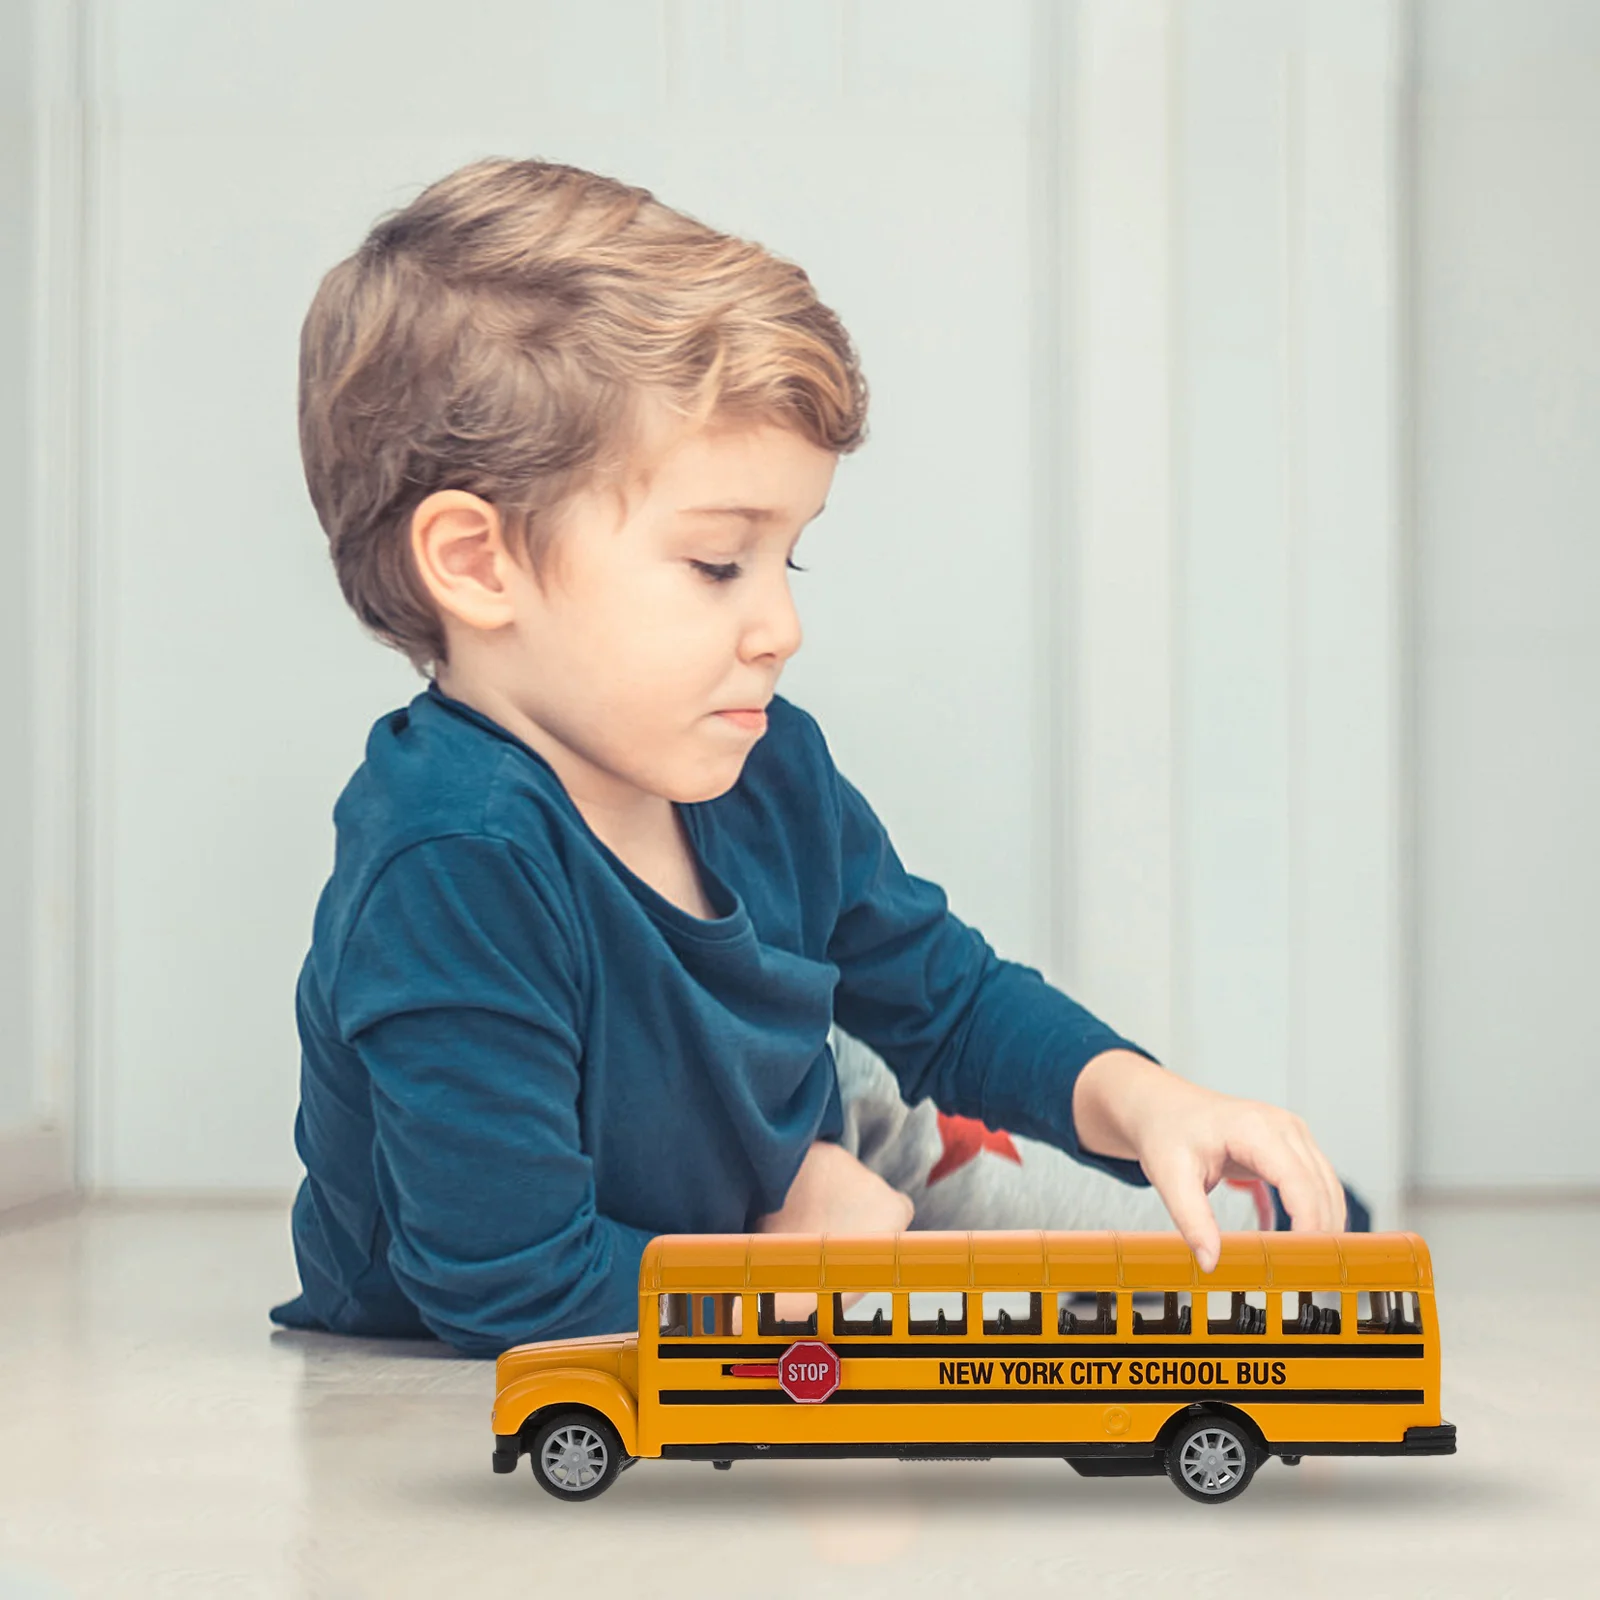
x=1211 y=1458
x=575 y=1454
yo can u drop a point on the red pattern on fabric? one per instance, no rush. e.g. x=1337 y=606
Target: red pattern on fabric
x=963 y=1138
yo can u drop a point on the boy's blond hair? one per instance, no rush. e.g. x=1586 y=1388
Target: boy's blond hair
x=509 y=333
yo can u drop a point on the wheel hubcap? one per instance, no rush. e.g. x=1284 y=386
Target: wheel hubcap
x=573 y=1458
x=1212 y=1461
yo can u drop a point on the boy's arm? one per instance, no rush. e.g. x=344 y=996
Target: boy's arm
x=981 y=1036
x=460 y=991
x=990 y=1038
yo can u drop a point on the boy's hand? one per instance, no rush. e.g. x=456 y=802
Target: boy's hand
x=834 y=1193
x=1188 y=1139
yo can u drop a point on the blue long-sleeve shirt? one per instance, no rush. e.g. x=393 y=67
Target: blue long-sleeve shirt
x=520 y=1061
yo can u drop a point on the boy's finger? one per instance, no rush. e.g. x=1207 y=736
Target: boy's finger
x=1310 y=1209
x=1341 y=1218
x=1314 y=1196
x=1184 y=1196
x=1328 y=1179
x=1293 y=1174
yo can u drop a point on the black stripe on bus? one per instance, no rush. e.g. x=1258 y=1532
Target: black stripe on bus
x=1048 y=1397
x=931 y=1349
x=1134 y=1456
x=1131 y=1458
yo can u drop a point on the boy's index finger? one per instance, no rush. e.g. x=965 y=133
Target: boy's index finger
x=1184 y=1196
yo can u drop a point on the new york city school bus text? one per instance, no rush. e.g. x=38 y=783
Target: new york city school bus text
x=1110 y=1350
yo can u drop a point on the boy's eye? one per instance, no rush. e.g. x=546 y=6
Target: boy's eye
x=723 y=571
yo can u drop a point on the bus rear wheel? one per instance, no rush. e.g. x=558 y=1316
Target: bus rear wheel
x=575 y=1454
x=1211 y=1458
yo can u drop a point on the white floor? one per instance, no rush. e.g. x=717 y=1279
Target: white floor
x=158 y=1437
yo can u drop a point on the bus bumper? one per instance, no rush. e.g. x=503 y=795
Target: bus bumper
x=508 y=1448
x=1435 y=1441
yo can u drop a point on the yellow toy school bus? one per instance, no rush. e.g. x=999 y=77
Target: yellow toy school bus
x=1111 y=1350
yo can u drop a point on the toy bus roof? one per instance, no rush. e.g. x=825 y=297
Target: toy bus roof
x=1029 y=1259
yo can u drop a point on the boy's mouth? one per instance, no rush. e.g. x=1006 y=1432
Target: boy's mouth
x=748 y=717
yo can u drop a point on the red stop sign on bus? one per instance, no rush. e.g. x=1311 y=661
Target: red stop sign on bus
x=808 y=1371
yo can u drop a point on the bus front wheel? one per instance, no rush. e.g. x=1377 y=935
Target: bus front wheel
x=575 y=1454
x=1211 y=1458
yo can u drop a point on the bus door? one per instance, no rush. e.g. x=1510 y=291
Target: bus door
x=848 y=1341
x=714 y=1379
x=697 y=1335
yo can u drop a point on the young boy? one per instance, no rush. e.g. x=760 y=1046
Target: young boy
x=603 y=911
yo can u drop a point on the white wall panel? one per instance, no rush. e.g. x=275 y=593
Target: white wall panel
x=41 y=808
x=16 y=710
x=1351 y=1013
x=1237 y=760
x=1508 y=586
x=1233 y=680
x=1121 y=635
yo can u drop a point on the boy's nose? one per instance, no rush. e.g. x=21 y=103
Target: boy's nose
x=775 y=630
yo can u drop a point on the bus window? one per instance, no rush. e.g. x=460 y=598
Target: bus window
x=938 y=1312
x=1236 y=1311
x=719 y=1314
x=1306 y=1312
x=1086 y=1313
x=1387 y=1311
x=779 y=1315
x=1173 y=1316
x=1011 y=1311
x=674 y=1316
x=869 y=1315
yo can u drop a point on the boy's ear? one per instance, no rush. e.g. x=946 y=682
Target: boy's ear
x=458 y=545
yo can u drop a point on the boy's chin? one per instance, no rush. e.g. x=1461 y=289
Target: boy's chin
x=709 y=783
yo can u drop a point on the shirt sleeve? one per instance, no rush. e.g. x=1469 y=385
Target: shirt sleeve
x=460 y=991
x=981 y=1036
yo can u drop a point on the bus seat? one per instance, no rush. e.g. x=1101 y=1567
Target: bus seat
x=1183 y=1320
